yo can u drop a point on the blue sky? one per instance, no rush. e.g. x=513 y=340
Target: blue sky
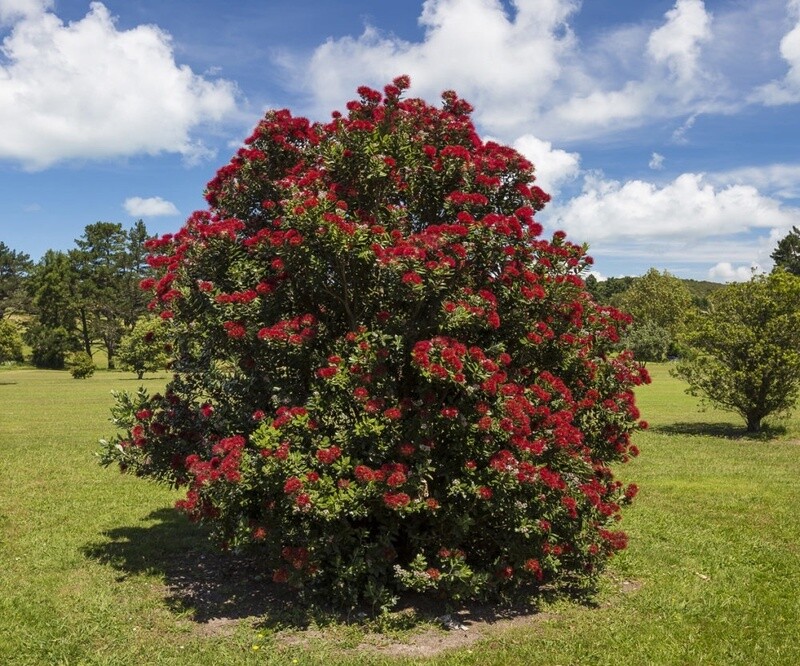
x=666 y=131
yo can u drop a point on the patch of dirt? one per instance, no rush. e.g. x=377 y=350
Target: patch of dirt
x=223 y=591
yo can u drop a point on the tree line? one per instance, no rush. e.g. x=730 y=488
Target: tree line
x=80 y=300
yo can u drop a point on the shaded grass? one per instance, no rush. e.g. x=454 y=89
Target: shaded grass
x=97 y=568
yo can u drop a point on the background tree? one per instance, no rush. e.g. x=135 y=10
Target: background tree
x=603 y=291
x=99 y=260
x=111 y=263
x=657 y=300
x=15 y=268
x=648 y=342
x=133 y=268
x=385 y=377
x=745 y=351
x=143 y=349
x=787 y=254
x=53 y=287
x=10 y=342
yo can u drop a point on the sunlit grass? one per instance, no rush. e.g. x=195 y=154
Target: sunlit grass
x=712 y=575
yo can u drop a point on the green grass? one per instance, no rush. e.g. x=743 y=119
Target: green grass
x=87 y=556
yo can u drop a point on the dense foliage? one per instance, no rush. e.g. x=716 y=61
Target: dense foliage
x=10 y=341
x=744 y=352
x=384 y=376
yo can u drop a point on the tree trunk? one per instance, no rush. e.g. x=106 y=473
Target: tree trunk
x=753 y=423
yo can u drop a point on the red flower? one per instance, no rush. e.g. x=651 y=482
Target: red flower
x=393 y=413
x=329 y=455
x=396 y=500
x=631 y=491
x=234 y=329
x=303 y=499
x=485 y=492
x=449 y=412
x=433 y=573
x=327 y=373
x=292 y=485
x=364 y=474
x=412 y=277
x=396 y=479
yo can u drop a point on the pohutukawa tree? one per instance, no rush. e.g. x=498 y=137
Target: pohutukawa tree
x=384 y=376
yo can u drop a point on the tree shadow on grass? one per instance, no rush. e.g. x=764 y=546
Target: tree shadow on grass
x=722 y=430
x=212 y=585
x=217 y=588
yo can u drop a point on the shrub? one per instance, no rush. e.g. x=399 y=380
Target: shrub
x=10 y=341
x=80 y=365
x=49 y=346
x=143 y=349
x=385 y=377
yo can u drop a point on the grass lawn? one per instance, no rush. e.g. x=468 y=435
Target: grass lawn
x=96 y=568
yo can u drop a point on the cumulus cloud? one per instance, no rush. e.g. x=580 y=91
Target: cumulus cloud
x=780 y=180
x=12 y=10
x=724 y=271
x=677 y=43
x=693 y=219
x=150 y=207
x=787 y=90
x=522 y=66
x=88 y=90
x=554 y=167
x=504 y=64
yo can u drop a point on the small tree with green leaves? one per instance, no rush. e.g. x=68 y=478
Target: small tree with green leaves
x=144 y=348
x=10 y=341
x=744 y=353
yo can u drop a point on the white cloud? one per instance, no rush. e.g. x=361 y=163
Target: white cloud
x=656 y=161
x=150 y=207
x=88 y=90
x=787 y=90
x=692 y=219
x=505 y=65
x=689 y=205
x=780 y=180
x=554 y=167
x=12 y=10
x=679 y=135
x=524 y=68
x=677 y=43
x=724 y=271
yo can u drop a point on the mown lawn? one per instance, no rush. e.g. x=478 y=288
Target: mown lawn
x=96 y=568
